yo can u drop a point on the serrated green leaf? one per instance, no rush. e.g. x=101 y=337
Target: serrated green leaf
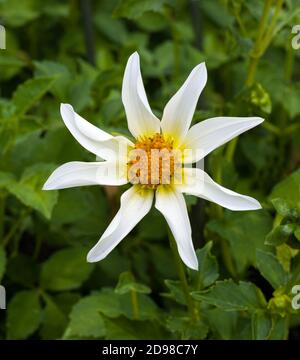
x=271 y=269
x=29 y=189
x=86 y=320
x=176 y=293
x=230 y=296
x=245 y=233
x=28 y=93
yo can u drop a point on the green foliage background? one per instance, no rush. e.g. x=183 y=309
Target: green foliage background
x=249 y=261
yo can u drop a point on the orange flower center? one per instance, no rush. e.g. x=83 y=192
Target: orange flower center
x=153 y=161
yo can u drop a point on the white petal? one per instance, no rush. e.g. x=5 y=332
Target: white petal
x=141 y=120
x=209 y=134
x=78 y=173
x=172 y=205
x=179 y=111
x=89 y=136
x=135 y=204
x=198 y=183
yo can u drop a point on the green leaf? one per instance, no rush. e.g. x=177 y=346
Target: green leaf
x=16 y=13
x=245 y=233
x=86 y=320
x=133 y=9
x=61 y=73
x=54 y=321
x=176 y=292
x=271 y=269
x=65 y=270
x=261 y=324
x=280 y=234
x=230 y=296
x=184 y=329
x=222 y=323
x=28 y=93
x=123 y=329
x=29 y=189
x=24 y=315
x=283 y=208
x=2 y=262
x=208 y=272
x=288 y=190
x=279 y=330
x=6 y=178
x=127 y=284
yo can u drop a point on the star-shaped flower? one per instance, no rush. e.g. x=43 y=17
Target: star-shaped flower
x=143 y=163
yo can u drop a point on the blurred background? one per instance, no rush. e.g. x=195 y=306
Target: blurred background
x=75 y=52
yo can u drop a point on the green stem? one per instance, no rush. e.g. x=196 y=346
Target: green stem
x=289 y=63
x=135 y=305
x=271 y=31
x=257 y=50
x=182 y=276
x=262 y=41
x=15 y=227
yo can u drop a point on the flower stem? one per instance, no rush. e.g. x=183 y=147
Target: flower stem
x=182 y=276
x=263 y=39
x=135 y=305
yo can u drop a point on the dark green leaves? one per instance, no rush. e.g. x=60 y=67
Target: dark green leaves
x=24 y=314
x=65 y=270
x=271 y=269
x=30 y=92
x=245 y=232
x=29 y=189
x=230 y=296
x=288 y=189
x=135 y=8
x=86 y=320
x=208 y=268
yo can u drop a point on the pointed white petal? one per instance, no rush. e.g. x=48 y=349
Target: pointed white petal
x=198 y=183
x=179 y=111
x=135 y=204
x=141 y=120
x=172 y=205
x=209 y=134
x=78 y=173
x=89 y=136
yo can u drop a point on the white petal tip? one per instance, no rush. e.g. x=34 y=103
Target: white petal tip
x=259 y=120
x=47 y=186
x=252 y=204
x=93 y=256
x=65 y=108
x=194 y=267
